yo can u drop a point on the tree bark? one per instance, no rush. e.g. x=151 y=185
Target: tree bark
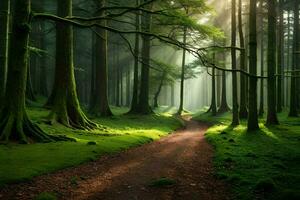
x=272 y=18
x=135 y=93
x=280 y=57
x=15 y=124
x=235 y=106
x=252 y=116
x=144 y=107
x=243 y=114
x=261 y=110
x=100 y=107
x=182 y=74
x=4 y=21
x=296 y=48
x=65 y=108
x=157 y=93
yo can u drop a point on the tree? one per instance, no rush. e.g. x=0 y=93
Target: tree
x=182 y=73
x=144 y=107
x=235 y=106
x=252 y=116
x=15 y=124
x=296 y=48
x=134 y=101
x=243 y=90
x=272 y=18
x=4 y=21
x=280 y=56
x=261 y=110
x=100 y=106
x=65 y=107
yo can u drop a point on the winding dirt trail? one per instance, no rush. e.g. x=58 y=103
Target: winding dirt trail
x=184 y=156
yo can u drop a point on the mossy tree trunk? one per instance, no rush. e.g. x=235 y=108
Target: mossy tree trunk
x=144 y=107
x=261 y=109
x=296 y=48
x=100 y=106
x=224 y=106
x=182 y=78
x=4 y=22
x=15 y=124
x=235 y=106
x=65 y=107
x=272 y=18
x=252 y=116
x=280 y=57
x=157 y=93
x=243 y=114
x=135 y=93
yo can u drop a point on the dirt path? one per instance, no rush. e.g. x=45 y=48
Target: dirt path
x=184 y=156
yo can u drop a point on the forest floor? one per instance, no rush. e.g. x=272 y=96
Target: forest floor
x=259 y=165
x=178 y=166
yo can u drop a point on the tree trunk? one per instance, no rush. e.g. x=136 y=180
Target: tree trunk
x=4 y=21
x=243 y=114
x=235 y=106
x=261 y=110
x=272 y=18
x=280 y=57
x=296 y=48
x=224 y=106
x=182 y=74
x=252 y=116
x=66 y=108
x=144 y=107
x=100 y=107
x=135 y=93
x=161 y=83
x=15 y=124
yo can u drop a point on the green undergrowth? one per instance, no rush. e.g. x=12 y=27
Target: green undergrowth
x=117 y=133
x=259 y=165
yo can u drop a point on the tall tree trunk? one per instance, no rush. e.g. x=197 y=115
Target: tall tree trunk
x=15 y=124
x=182 y=74
x=224 y=106
x=235 y=106
x=135 y=94
x=144 y=107
x=100 y=105
x=252 y=116
x=118 y=69
x=157 y=93
x=4 y=21
x=243 y=90
x=65 y=108
x=296 y=48
x=261 y=110
x=272 y=18
x=213 y=106
x=172 y=95
x=280 y=57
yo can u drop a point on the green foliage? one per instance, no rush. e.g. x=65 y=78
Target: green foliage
x=46 y=196
x=22 y=162
x=264 y=164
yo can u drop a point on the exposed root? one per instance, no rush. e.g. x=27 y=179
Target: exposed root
x=20 y=129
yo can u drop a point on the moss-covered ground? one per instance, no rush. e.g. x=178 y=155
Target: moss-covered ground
x=259 y=165
x=120 y=132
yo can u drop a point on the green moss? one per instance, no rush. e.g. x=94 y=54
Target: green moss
x=267 y=160
x=22 y=162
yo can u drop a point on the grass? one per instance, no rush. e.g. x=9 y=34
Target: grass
x=259 y=165
x=22 y=162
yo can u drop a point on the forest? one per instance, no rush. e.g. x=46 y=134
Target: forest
x=150 y=99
